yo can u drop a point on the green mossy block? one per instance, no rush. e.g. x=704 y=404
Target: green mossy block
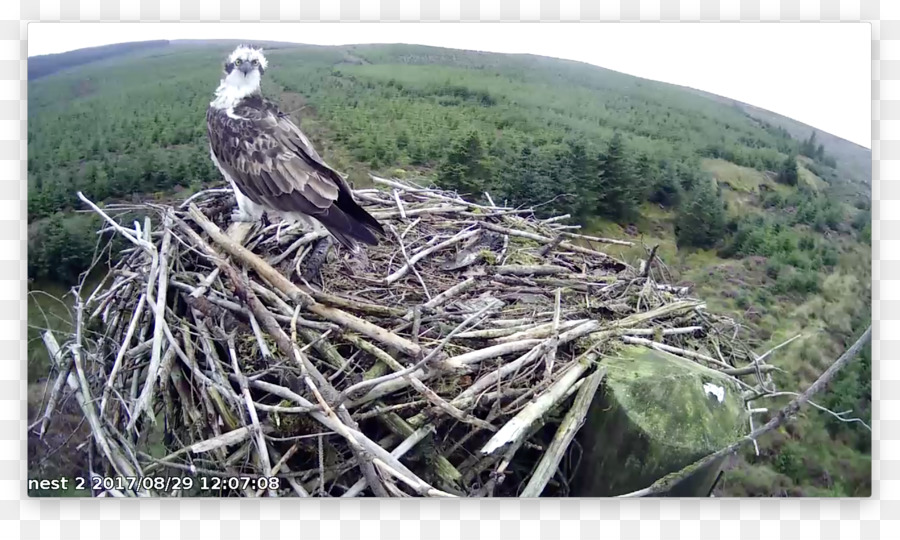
x=655 y=414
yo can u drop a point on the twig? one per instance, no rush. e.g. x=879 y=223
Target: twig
x=468 y=233
x=516 y=428
x=649 y=264
x=674 y=350
x=554 y=339
x=405 y=372
x=842 y=416
x=262 y=450
x=112 y=452
x=294 y=292
x=570 y=425
x=145 y=400
x=399 y=204
x=409 y=263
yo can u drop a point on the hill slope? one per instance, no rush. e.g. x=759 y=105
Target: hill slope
x=45 y=64
x=707 y=179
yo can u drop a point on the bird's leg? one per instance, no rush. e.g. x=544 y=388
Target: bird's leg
x=317 y=227
x=247 y=211
x=240 y=215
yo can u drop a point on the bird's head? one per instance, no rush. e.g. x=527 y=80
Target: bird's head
x=244 y=68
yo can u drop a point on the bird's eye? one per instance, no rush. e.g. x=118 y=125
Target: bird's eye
x=255 y=62
x=238 y=62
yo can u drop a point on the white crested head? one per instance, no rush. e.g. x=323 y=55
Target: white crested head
x=244 y=68
x=246 y=53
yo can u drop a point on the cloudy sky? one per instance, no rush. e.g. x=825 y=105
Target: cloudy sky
x=817 y=73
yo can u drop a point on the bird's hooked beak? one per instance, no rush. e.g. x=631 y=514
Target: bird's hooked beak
x=245 y=67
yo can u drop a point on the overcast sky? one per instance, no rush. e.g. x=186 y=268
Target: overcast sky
x=817 y=73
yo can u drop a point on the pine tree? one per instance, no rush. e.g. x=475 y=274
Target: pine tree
x=808 y=148
x=616 y=190
x=464 y=169
x=789 y=174
x=532 y=179
x=666 y=189
x=701 y=217
x=572 y=176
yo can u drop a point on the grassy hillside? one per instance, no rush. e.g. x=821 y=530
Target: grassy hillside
x=779 y=241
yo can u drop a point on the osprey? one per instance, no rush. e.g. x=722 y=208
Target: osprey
x=269 y=162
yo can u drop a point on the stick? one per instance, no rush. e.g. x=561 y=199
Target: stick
x=110 y=381
x=292 y=291
x=513 y=431
x=229 y=438
x=405 y=372
x=570 y=425
x=64 y=368
x=430 y=194
x=529 y=270
x=544 y=240
x=462 y=235
x=145 y=401
x=600 y=240
x=262 y=451
x=399 y=204
x=302 y=241
x=491 y=378
x=408 y=444
x=541 y=330
x=453 y=291
x=664 y=331
x=649 y=263
x=409 y=263
x=544 y=251
x=550 y=360
x=674 y=350
x=109 y=448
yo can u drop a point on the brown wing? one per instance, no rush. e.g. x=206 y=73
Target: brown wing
x=273 y=164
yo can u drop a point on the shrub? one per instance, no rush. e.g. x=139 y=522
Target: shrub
x=789 y=462
x=763 y=296
x=797 y=282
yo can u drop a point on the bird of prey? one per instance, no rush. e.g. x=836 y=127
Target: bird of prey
x=270 y=163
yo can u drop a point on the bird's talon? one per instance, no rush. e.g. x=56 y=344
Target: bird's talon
x=241 y=217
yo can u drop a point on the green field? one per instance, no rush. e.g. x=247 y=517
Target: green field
x=778 y=239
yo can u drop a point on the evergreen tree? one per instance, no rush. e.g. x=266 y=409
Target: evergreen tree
x=464 y=169
x=616 y=191
x=666 y=189
x=789 y=174
x=531 y=180
x=701 y=217
x=809 y=146
x=645 y=169
x=572 y=175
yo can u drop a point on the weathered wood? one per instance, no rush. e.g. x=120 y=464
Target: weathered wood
x=294 y=292
x=513 y=431
x=567 y=430
x=260 y=372
x=403 y=270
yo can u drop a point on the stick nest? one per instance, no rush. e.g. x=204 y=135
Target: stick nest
x=453 y=359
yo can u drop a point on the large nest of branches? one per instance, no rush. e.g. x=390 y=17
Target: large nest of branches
x=456 y=358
